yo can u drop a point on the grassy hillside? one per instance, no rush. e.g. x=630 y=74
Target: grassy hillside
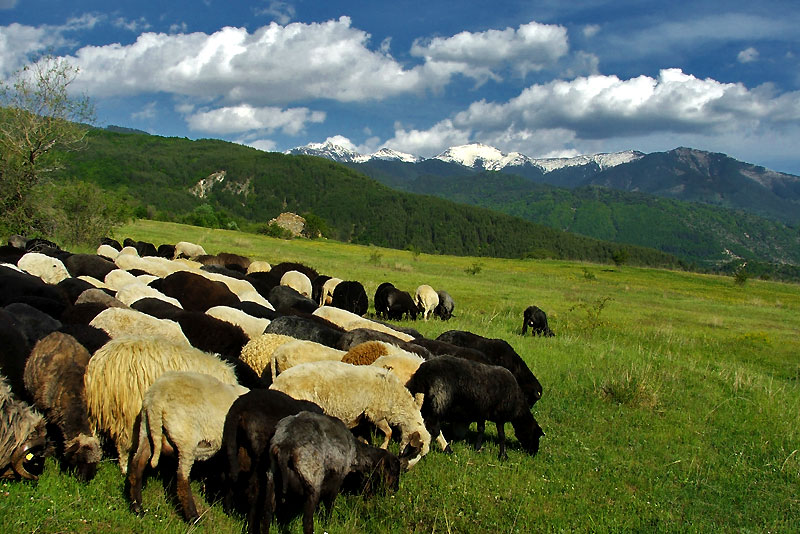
x=159 y=172
x=670 y=404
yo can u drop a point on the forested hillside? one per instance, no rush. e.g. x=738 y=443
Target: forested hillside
x=158 y=174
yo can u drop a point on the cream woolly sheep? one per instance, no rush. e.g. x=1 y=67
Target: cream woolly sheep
x=239 y=287
x=92 y=280
x=131 y=251
x=365 y=353
x=252 y=326
x=259 y=266
x=351 y=321
x=326 y=297
x=258 y=351
x=402 y=364
x=297 y=281
x=121 y=371
x=184 y=249
x=352 y=392
x=49 y=269
x=301 y=351
x=426 y=300
x=107 y=251
x=137 y=290
x=187 y=410
x=118 y=278
x=121 y=322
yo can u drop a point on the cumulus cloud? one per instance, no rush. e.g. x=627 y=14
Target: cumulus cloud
x=273 y=65
x=261 y=144
x=481 y=55
x=590 y=30
x=243 y=118
x=545 y=117
x=748 y=55
x=281 y=12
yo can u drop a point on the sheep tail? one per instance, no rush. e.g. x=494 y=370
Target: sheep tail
x=153 y=427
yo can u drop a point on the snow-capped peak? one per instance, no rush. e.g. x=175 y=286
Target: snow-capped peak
x=328 y=150
x=480 y=155
x=393 y=155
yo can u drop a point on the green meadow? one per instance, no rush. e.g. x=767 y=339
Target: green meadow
x=671 y=404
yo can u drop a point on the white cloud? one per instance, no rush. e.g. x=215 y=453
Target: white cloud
x=590 y=30
x=748 y=55
x=243 y=118
x=482 y=55
x=282 y=12
x=261 y=144
x=428 y=142
x=179 y=28
x=149 y=111
x=134 y=26
x=273 y=65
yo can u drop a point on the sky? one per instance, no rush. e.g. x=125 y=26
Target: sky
x=543 y=78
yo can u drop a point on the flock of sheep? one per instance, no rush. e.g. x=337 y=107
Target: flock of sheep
x=271 y=370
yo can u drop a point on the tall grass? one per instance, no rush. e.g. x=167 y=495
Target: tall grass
x=671 y=404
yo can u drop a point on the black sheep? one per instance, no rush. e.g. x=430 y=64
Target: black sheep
x=444 y=310
x=32 y=322
x=350 y=295
x=166 y=250
x=286 y=266
x=535 y=318
x=195 y=292
x=284 y=298
x=499 y=352
x=306 y=328
x=113 y=243
x=54 y=379
x=249 y=427
x=457 y=390
x=89 y=265
x=316 y=287
x=14 y=352
x=381 y=301
x=361 y=335
x=400 y=304
x=90 y=337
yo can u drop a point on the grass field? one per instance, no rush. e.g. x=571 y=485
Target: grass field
x=671 y=404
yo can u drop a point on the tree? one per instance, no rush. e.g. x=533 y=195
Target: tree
x=38 y=119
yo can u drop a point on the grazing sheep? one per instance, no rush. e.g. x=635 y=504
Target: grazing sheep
x=22 y=437
x=184 y=249
x=95 y=295
x=259 y=266
x=297 y=281
x=122 y=370
x=360 y=335
x=351 y=321
x=165 y=250
x=381 y=299
x=196 y=292
x=400 y=304
x=534 y=317
x=89 y=265
x=444 y=310
x=121 y=322
x=150 y=265
x=499 y=352
x=353 y=392
x=301 y=351
x=460 y=390
x=49 y=269
x=16 y=286
x=310 y=456
x=185 y=410
x=113 y=243
x=351 y=296
x=306 y=328
x=317 y=288
x=252 y=326
x=402 y=364
x=73 y=287
x=118 y=278
x=326 y=294
x=34 y=324
x=249 y=427
x=108 y=252
x=137 y=290
x=241 y=288
x=426 y=300
x=143 y=248
x=90 y=337
x=257 y=353
x=54 y=379
x=257 y=310
x=365 y=353
x=282 y=268
x=286 y=299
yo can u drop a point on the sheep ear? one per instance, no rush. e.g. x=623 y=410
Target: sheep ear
x=419 y=398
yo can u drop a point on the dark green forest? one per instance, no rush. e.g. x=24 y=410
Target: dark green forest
x=157 y=174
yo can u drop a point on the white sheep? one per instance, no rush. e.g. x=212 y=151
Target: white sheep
x=184 y=249
x=107 y=251
x=187 y=410
x=122 y=322
x=297 y=281
x=118 y=278
x=351 y=321
x=301 y=351
x=402 y=364
x=326 y=295
x=252 y=326
x=241 y=288
x=49 y=269
x=258 y=351
x=121 y=371
x=92 y=280
x=352 y=392
x=137 y=291
x=426 y=300
x=259 y=266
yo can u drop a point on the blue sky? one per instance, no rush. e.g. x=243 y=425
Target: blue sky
x=544 y=78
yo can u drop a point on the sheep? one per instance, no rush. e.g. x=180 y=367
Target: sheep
x=351 y=296
x=15 y=286
x=463 y=391
x=326 y=295
x=402 y=364
x=98 y=296
x=365 y=353
x=143 y=248
x=380 y=299
x=259 y=266
x=249 y=427
x=118 y=278
x=73 y=287
x=34 y=324
x=317 y=285
x=444 y=310
x=353 y=392
x=351 y=321
x=257 y=353
x=297 y=281
x=426 y=300
x=22 y=437
x=120 y=372
x=108 y=252
x=399 y=304
x=113 y=243
x=184 y=249
x=311 y=454
x=241 y=288
x=252 y=326
x=196 y=292
x=282 y=268
x=90 y=337
x=151 y=265
x=301 y=351
x=287 y=299
x=316 y=329
x=137 y=290
x=121 y=322
x=185 y=410
x=49 y=269
x=165 y=250
x=499 y=352
x=54 y=379
x=89 y=265
x=534 y=317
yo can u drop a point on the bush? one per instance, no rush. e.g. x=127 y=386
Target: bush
x=274 y=230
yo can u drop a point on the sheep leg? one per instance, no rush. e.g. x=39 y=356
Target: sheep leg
x=384 y=427
x=501 y=435
x=254 y=501
x=481 y=431
x=435 y=429
x=185 y=491
x=136 y=474
x=312 y=499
